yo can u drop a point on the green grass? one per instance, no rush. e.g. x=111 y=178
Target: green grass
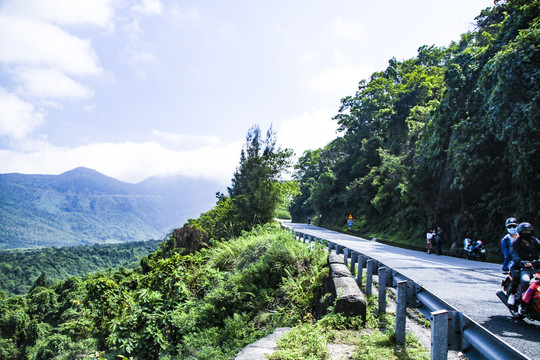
x=374 y=341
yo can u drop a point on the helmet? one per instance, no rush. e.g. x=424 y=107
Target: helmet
x=511 y=221
x=525 y=230
x=479 y=242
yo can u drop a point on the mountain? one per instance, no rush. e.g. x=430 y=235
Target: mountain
x=83 y=206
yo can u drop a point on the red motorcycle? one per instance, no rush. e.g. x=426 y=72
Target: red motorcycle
x=531 y=296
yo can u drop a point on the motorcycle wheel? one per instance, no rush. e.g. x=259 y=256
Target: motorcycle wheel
x=514 y=311
x=482 y=257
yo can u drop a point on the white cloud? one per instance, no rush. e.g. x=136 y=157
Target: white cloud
x=64 y=12
x=187 y=141
x=311 y=130
x=129 y=161
x=349 y=30
x=139 y=60
x=339 y=81
x=27 y=42
x=50 y=83
x=148 y=7
x=17 y=118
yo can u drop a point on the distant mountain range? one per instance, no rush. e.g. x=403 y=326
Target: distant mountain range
x=83 y=206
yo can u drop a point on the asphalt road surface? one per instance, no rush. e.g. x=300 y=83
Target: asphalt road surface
x=469 y=286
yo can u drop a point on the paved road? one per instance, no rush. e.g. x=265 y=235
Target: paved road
x=469 y=286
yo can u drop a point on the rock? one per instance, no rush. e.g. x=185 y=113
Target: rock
x=348 y=297
x=260 y=348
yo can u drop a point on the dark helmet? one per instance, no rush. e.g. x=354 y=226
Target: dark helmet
x=511 y=221
x=525 y=230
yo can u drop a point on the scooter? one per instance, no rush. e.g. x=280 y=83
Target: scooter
x=474 y=250
x=531 y=296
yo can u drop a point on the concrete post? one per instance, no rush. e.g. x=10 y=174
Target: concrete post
x=401 y=311
x=369 y=276
x=360 y=270
x=439 y=335
x=382 y=290
x=354 y=256
x=346 y=257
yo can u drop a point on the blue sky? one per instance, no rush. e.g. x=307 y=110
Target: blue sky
x=138 y=88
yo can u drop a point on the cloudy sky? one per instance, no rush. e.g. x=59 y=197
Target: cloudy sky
x=141 y=87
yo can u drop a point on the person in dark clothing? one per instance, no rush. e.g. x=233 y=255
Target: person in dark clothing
x=511 y=228
x=525 y=250
x=439 y=240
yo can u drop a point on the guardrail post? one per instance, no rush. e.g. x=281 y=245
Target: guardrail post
x=354 y=257
x=360 y=270
x=369 y=276
x=346 y=257
x=330 y=246
x=439 y=335
x=401 y=312
x=382 y=290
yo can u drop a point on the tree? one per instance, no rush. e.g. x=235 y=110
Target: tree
x=41 y=281
x=257 y=183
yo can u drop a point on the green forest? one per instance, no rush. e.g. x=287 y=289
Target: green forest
x=20 y=269
x=219 y=283
x=450 y=138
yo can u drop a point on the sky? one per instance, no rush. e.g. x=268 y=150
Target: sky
x=138 y=88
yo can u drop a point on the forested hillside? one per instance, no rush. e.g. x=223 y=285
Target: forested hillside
x=82 y=207
x=20 y=269
x=449 y=138
x=213 y=286
x=203 y=305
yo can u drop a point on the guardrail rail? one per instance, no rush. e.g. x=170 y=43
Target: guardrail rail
x=450 y=328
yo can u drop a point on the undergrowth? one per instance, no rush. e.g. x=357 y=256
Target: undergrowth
x=374 y=340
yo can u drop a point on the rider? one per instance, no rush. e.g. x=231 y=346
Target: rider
x=524 y=251
x=511 y=226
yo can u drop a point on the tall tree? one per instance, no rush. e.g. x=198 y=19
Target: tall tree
x=257 y=183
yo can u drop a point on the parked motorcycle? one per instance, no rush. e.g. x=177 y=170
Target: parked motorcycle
x=474 y=250
x=531 y=296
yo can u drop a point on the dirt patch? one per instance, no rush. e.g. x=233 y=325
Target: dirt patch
x=340 y=351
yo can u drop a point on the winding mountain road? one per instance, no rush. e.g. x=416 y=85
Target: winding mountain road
x=469 y=286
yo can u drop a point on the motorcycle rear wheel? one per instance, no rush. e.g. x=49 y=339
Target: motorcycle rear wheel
x=514 y=309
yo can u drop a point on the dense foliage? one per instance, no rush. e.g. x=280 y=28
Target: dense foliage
x=206 y=305
x=20 y=269
x=449 y=138
x=257 y=191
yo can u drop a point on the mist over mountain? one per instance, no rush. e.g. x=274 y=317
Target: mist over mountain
x=83 y=206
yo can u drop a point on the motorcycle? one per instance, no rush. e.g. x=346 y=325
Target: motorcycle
x=474 y=250
x=531 y=296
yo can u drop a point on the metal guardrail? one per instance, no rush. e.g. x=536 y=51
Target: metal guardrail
x=450 y=328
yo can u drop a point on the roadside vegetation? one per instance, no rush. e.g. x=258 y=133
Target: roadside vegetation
x=447 y=138
x=371 y=341
x=219 y=283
